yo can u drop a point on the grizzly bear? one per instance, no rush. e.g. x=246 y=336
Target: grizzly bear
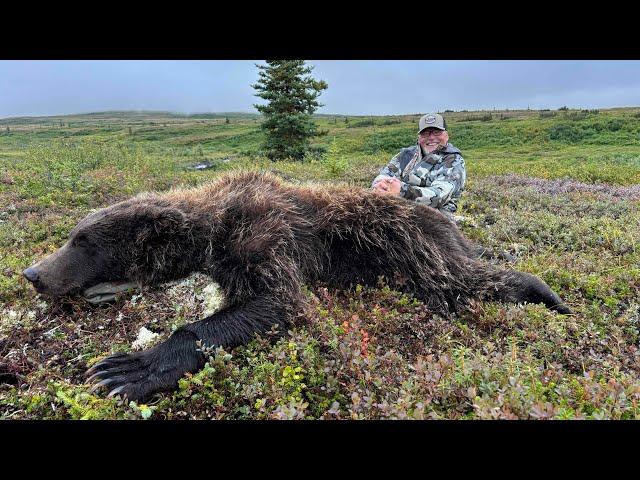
x=261 y=239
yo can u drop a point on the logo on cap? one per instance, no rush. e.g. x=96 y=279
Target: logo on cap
x=430 y=119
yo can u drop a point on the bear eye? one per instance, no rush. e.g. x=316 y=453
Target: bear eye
x=81 y=241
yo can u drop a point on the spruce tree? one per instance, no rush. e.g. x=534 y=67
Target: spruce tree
x=291 y=93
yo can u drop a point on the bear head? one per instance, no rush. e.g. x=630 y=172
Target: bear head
x=142 y=240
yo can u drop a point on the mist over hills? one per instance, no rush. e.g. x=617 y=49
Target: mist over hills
x=152 y=115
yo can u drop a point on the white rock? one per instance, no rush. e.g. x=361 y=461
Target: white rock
x=145 y=337
x=212 y=298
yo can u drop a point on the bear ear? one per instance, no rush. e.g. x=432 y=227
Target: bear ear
x=158 y=222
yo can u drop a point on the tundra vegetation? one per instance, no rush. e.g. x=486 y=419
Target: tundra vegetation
x=558 y=190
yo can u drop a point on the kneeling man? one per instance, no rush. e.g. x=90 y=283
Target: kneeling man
x=432 y=172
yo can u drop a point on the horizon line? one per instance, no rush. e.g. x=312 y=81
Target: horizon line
x=188 y=114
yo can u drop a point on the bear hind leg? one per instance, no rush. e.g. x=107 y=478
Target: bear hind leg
x=520 y=287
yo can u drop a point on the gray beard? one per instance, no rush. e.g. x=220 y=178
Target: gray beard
x=424 y=150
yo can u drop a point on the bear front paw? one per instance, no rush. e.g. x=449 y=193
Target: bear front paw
x=139 y=375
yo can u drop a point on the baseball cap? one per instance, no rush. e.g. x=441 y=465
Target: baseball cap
x=432 y=120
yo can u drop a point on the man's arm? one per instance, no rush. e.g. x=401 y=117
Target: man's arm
x=448 y=183
x=392 y=169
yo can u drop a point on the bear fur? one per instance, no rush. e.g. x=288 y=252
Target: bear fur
x=261 y=239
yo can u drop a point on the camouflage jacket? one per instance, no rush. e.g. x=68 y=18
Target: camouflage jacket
x=436 y=180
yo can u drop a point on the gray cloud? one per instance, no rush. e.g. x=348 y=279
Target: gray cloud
x=355 y=87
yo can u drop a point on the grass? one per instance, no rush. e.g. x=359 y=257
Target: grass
x=558 y=190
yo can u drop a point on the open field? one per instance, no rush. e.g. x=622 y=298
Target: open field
x=559 y=190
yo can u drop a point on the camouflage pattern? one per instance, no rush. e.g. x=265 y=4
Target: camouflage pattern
x=436 y=179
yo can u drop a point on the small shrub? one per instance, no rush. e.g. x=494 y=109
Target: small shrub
x=486 y=117
x=367 y=122
x=577 y=116
x=335 y=163
x=316 y=152
x=615 y=124
x=565 y=133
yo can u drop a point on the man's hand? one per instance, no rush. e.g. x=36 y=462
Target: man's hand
x=388 y=186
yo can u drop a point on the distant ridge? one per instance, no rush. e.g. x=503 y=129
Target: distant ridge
x=166 y=115
x=128 y=114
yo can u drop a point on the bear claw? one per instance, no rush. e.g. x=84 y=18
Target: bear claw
x=116 y=391
x=141 y=374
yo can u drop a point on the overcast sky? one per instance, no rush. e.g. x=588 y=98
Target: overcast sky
x=355 y=87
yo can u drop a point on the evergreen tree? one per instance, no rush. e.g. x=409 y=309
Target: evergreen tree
x=291 y=92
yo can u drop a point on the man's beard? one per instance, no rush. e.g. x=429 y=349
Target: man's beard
x=426 y=152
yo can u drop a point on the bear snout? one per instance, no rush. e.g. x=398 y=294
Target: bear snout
x=31 y=274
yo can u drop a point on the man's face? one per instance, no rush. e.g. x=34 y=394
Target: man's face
x=432 y=138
